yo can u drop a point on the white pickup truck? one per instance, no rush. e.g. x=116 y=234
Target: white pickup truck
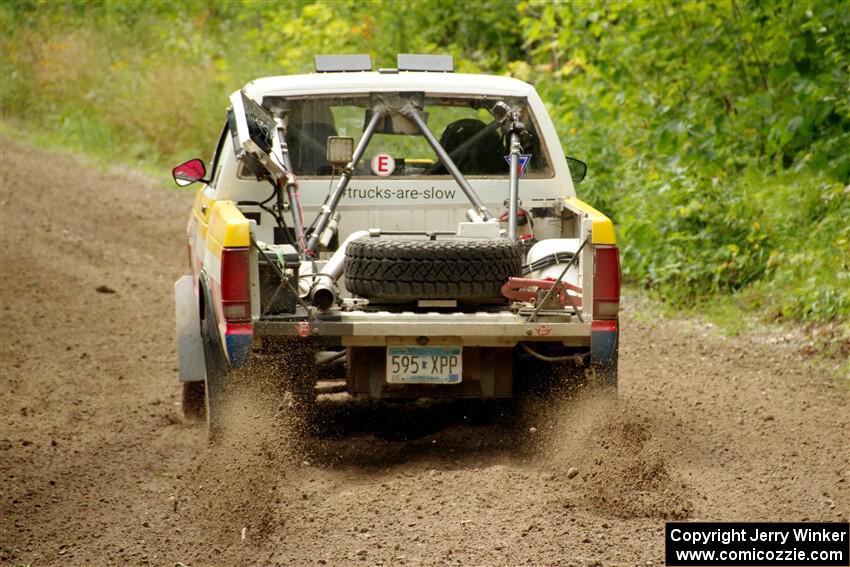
x=401 y=233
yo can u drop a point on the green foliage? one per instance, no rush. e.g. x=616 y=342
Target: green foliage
x=718 y=136
x=717 y=132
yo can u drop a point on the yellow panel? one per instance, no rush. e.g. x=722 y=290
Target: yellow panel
x=214 y=247
x=228 y=226
x=202 y=228
x=603 y=228
x=200 y=211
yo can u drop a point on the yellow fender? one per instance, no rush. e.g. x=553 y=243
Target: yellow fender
x=227 y=228
x=603 y=228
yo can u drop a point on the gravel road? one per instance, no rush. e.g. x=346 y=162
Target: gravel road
x=99 y=468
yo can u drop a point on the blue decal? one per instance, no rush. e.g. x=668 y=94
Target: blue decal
x=523 y=162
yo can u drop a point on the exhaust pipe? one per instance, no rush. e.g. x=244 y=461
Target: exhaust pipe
x=324 y=292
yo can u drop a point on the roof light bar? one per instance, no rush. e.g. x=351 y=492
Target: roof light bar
x=421 y=62
x=343 y=63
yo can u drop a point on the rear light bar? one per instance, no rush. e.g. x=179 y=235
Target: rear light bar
x=606 y=282
x=235 y=285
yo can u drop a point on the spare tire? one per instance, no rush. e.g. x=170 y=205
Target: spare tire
x=405 y=269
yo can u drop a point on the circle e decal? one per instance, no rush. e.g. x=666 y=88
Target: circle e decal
x=383 y=165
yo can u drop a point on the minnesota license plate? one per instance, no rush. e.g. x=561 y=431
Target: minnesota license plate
x=424 y=364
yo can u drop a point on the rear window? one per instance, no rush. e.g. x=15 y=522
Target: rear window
x=463 y=125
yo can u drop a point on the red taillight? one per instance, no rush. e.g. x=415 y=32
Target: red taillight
x=606 y=282
x=235 y=285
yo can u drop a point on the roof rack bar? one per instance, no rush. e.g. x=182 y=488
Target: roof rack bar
x=422 y=62
x=343 y=63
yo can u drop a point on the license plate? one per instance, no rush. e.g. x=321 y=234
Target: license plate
x=424 y=365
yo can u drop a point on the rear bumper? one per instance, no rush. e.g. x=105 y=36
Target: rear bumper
x=488 y=340
x=379 y=328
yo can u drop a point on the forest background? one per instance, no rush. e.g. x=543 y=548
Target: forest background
x=717 y=133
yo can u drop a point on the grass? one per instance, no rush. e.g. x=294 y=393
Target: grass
x=106 y=155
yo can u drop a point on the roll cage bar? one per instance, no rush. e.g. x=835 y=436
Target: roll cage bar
x=260 y=142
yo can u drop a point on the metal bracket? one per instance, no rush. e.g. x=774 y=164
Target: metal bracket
x=540 y=304
x=516 y=288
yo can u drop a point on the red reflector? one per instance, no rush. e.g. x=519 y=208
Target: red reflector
x=606 y=282
x=604 y=326
x=239 y=329
x=235 y=285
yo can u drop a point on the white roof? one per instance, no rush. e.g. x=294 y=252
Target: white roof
x=364 y=82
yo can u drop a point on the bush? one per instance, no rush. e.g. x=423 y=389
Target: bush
x=716 y=132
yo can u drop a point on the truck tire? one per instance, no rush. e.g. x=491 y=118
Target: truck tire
x=218 y=378
x=404 y=269
x=194 y=401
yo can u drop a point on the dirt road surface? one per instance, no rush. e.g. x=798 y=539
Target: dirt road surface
x=99 y=468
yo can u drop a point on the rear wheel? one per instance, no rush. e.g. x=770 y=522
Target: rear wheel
x=219 y=376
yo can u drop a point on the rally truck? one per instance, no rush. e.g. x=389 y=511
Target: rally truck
x=395 y=234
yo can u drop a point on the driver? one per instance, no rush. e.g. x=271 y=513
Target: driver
x=310 y=124
x=475 y=148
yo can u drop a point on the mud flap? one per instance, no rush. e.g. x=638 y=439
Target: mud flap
x=190 y=346
x=604 y=351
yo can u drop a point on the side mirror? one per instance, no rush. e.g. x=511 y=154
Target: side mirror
x=188 y=172
x=578 y=169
